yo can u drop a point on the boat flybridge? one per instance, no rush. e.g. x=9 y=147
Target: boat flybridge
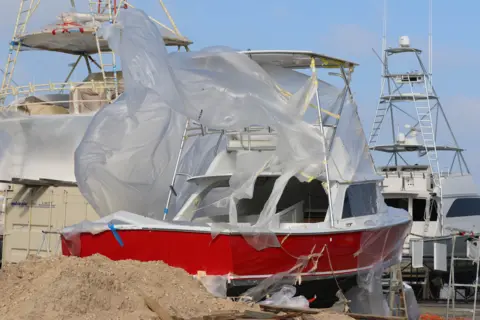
x=423 y=165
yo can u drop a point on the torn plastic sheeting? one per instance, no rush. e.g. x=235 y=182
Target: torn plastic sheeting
x=124 y=161
x=365 y=302
x=291 y=81
x=350 y=158
x=202 y=147
x=216 y=285
x=302 y=152
x=246 y=90
x=72 y=233
x=34 y=147
x=196 y=94
x=199 y=152
x=219 y=88
x=379 y=249
x=285 y=297
x=289 y=277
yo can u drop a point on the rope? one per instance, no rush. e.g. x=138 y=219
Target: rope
x=314 y=257
x=333 y=273
x=289 y=94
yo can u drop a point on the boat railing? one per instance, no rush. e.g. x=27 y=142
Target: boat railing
x=254 y=137
x=103 y=92
x=405 y=174
x=32 y=89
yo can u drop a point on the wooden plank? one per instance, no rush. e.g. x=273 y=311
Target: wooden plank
x=258 y=314
x=223 y=315
x=277 y=309
x=290 y=315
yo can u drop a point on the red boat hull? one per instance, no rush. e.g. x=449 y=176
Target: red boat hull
x=232 y=255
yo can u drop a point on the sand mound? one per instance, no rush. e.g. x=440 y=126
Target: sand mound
x=98 y=288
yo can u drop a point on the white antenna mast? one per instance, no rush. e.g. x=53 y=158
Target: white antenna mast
x=430 y=29
x=384 y=36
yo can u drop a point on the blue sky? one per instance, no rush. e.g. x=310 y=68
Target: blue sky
x=345 y=28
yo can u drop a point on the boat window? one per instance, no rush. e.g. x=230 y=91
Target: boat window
x=313 y=196
x=464 y=207
x=390 y=169
x=360 y=200
x=418 y=209
x=397 y=203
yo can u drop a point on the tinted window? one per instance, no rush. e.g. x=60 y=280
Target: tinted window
x=360 y=200
x=464 y=207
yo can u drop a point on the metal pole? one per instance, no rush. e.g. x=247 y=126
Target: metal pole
x=94 y=62
x=71 y=72
x=89 y=67
x=182 y=143
x=430 y=44
x=384 y=37
x=325 y=154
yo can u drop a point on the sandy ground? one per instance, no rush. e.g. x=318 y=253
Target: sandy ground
x=98 y=288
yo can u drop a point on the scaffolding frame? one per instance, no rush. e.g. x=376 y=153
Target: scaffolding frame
x=107 y=60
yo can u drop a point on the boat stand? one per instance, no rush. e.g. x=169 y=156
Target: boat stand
x=473 y=255
x=398 y=306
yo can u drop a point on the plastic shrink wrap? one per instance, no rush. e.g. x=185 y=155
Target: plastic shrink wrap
x=128 y=153
x=40 y=146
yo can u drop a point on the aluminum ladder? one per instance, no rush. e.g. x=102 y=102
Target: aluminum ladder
x=452 y=285
x=382 y=108
x=104 y=62
x=24 y=13
x=427 y=129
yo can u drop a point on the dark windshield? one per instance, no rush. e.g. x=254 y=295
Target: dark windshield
x=360 y=200
x=464 y=207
